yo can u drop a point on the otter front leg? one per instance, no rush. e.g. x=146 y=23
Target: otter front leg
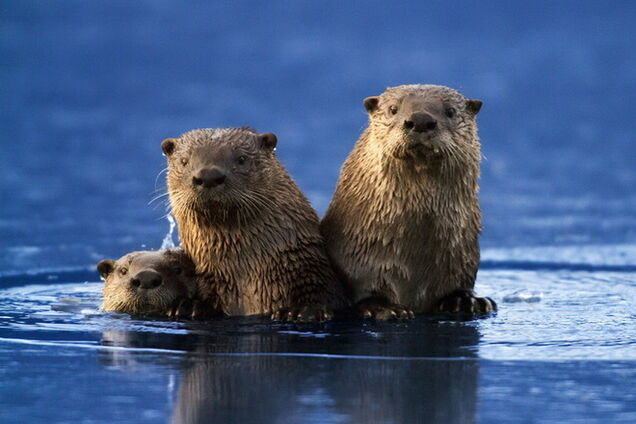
x=305 y=313
x=465 y=301
x=381 y=308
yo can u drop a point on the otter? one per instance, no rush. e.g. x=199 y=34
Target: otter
x=150 y=283
x=402 y=228
x=252 y=235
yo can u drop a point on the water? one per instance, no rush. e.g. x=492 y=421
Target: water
x=89 y=90
x=569 y=355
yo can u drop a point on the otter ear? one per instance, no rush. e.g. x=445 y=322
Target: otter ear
x=371 y=103
x=105 y=267
x=268 y=140
x=168 y=145
x=473 y=106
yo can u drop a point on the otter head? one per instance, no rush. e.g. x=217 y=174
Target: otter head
x=423 y=122
x=219 y=170
x=146 y=282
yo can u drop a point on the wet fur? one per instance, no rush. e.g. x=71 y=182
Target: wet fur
x=404 y=224
x=120 y=296
x=256 y=244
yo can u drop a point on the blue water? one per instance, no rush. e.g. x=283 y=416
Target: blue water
x=89 y=89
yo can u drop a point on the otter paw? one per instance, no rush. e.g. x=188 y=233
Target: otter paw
x=306 y=313
x=181 y=308
x=382 y=309
x=186 y=308
x=465 y=301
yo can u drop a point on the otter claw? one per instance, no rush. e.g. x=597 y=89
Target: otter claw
x=382 y=309
x=385 y=314
x=190 y=309
x=465 y=301
x=302 y=314
x=186 y=309
x=405 y=314
x=181 y=308
x=281 y=315
x=313 y=313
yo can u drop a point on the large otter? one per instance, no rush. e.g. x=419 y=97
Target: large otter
x=149 y=283
x=252 y=235
x=403 y=224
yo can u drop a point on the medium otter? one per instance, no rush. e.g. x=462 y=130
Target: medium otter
x=403 y=224
x=149 y=283
x=253 y=237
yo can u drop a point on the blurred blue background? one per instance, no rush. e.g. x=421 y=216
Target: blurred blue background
x=89 y=90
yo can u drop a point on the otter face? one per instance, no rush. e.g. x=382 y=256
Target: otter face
x=423 y=121
x=222 y=167
x=146 y=282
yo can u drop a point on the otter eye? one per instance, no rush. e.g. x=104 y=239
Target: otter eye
x=123 y=270
x=184 y=161
x=178 y=270
x=393 y=109
x=241 y=159
x=450 y=112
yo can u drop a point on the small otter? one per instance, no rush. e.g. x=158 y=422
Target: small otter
x=149 y=283
x=403 y=224
x=253 y=237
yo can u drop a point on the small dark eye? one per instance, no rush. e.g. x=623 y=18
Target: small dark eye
x=241 y=159
x=178 y=270
x=184 y=161
x=123 y=271
x=393 y=110
x=450 y=112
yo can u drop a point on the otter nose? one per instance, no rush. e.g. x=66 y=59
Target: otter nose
x=420 y=122
x=146 y=280
x=208 y=178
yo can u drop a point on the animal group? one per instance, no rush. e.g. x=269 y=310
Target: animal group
x=399 y=238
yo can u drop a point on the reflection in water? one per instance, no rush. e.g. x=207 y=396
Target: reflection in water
x=139 y=347
x=246 y=372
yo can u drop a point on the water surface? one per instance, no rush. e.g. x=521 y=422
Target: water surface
x=89 y=89
x=562 y=347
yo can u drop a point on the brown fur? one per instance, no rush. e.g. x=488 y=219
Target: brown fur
x=255 y=239
x=121 y=294
x=404 y=220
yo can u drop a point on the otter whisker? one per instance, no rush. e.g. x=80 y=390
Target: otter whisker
x=154 y=199
x=159 y=174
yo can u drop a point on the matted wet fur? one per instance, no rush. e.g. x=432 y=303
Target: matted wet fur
x=252 y=235
x=147 y=282
x=402 y=228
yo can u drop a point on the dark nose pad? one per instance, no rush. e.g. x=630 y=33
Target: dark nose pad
x=420 y=122
x=209 y=178
x=146 y=280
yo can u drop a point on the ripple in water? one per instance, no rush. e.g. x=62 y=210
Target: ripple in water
x=543 y=315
